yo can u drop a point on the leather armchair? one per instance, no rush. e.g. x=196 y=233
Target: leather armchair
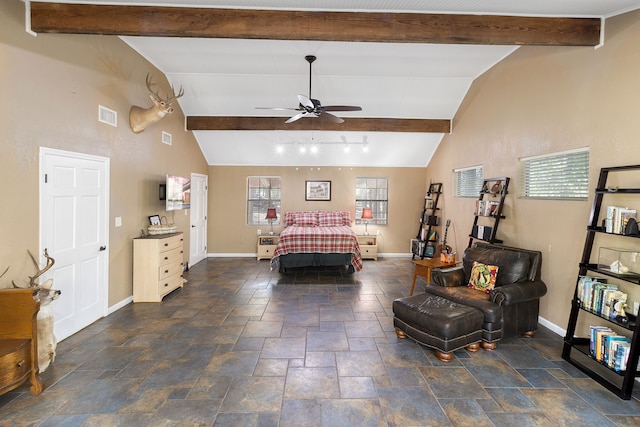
x=512 y=307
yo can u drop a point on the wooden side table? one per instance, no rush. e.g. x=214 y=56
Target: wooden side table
x=423 y=267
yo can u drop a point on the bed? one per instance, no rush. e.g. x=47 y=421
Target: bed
x=317 y=238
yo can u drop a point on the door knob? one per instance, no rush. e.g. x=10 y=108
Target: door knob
x=103 y=248
x=193 y=226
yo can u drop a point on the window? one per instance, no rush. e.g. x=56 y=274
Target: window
x=468 y=181
x=562 y=175
x=372 y=193
x=262 y=192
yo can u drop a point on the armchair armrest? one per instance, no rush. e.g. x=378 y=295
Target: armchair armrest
x=448 y=277
x=515 y=293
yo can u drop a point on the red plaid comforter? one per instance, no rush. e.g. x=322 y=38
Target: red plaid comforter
x=324 y=240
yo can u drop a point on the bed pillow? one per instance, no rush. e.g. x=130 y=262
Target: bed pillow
x=289 y=219
x=330 y=219
x=483 y=277
x=306 y=219
x=346 y=219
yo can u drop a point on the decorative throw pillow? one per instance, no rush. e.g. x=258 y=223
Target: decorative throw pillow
x=483 y=277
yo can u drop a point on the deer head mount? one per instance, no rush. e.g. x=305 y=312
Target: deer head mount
x=140 y=118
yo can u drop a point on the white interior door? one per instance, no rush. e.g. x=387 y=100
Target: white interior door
x=74 y=228
x=198 y=236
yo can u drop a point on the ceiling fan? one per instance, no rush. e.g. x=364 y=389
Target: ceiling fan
x=308 y=105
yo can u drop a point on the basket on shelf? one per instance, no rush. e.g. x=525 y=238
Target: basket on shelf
x=163 y=228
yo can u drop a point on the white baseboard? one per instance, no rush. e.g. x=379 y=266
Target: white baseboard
x=119 y=305
x=552 y=326
x=231 y=255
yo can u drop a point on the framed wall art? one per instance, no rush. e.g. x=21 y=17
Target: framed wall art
x=318 y=190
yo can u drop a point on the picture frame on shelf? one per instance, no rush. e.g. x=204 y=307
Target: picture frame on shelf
x=154 y=220
x=317 y=191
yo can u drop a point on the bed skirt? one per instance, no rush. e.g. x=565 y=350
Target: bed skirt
x=314 y=260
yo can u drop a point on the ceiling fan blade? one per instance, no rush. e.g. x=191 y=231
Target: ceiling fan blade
x=330 y=117
x=296 y=117
x=276 y=108
x=306 y=102
x=341 y=108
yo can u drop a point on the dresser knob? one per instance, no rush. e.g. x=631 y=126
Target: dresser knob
x=166 y=271
x=21 y=363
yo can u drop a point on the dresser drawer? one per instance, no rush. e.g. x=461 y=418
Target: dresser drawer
x=15 y=360
x=170 y=283
x=169 y=270
x=170 y=256
x=170 y=243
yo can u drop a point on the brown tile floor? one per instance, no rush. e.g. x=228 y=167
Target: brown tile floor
x=243 y=346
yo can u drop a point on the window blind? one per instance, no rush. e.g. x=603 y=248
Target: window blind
x=556 y=176
x=468 y=181
x=263 y=192
x=372 y=193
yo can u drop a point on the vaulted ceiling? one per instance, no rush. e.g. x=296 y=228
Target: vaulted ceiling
x=407 y=63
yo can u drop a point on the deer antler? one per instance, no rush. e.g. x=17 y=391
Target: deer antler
x=174 y=93
x=153 y=92
x=156 y=93
x=40 y=272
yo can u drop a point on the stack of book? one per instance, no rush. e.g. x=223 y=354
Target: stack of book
x=617 y=218
x=600 y=297
x=609 y=348
x=486 y=207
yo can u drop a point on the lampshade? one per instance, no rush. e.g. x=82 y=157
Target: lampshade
x=366 y=213
x=271 y=213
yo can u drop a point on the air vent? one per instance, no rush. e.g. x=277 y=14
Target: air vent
x=166 y=138
x=107 y=115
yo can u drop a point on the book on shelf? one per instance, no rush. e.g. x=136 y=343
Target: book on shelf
x=596 y=295
x=486 y=207
x=617 y=218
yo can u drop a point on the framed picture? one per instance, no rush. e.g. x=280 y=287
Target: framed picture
x=318 y=190
x=154 y=220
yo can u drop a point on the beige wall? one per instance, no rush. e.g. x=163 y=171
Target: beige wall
x=542 y=100
x=51 y=86
x=230 y=234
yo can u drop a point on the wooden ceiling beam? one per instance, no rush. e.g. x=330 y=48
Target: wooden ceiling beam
x=311 y=25
x=350 y=124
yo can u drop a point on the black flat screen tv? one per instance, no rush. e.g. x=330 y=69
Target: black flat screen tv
x=177 y=193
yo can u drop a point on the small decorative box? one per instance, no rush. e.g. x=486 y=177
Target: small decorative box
x=619 y=261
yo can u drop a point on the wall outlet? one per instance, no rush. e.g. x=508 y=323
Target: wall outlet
x=259 y=232
x=118 y=222
x=378 y=233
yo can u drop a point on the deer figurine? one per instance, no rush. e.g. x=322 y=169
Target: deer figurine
x=46 y=339
x=140 y=118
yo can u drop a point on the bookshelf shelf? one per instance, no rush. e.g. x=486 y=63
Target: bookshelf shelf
x=577 y=350
x=424 y=245
x=488 y=211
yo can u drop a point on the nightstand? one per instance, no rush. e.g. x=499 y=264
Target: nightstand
x=368 y=246
x=267 y=246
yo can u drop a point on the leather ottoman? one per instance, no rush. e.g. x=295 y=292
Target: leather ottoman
x=439 y=323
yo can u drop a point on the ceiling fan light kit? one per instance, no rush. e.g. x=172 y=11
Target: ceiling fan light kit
x=309 y=107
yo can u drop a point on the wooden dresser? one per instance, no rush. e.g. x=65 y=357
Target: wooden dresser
x=18 y=340
x=157 y=266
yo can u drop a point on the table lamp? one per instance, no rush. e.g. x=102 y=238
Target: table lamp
x=366 y=215
x=271 y=215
